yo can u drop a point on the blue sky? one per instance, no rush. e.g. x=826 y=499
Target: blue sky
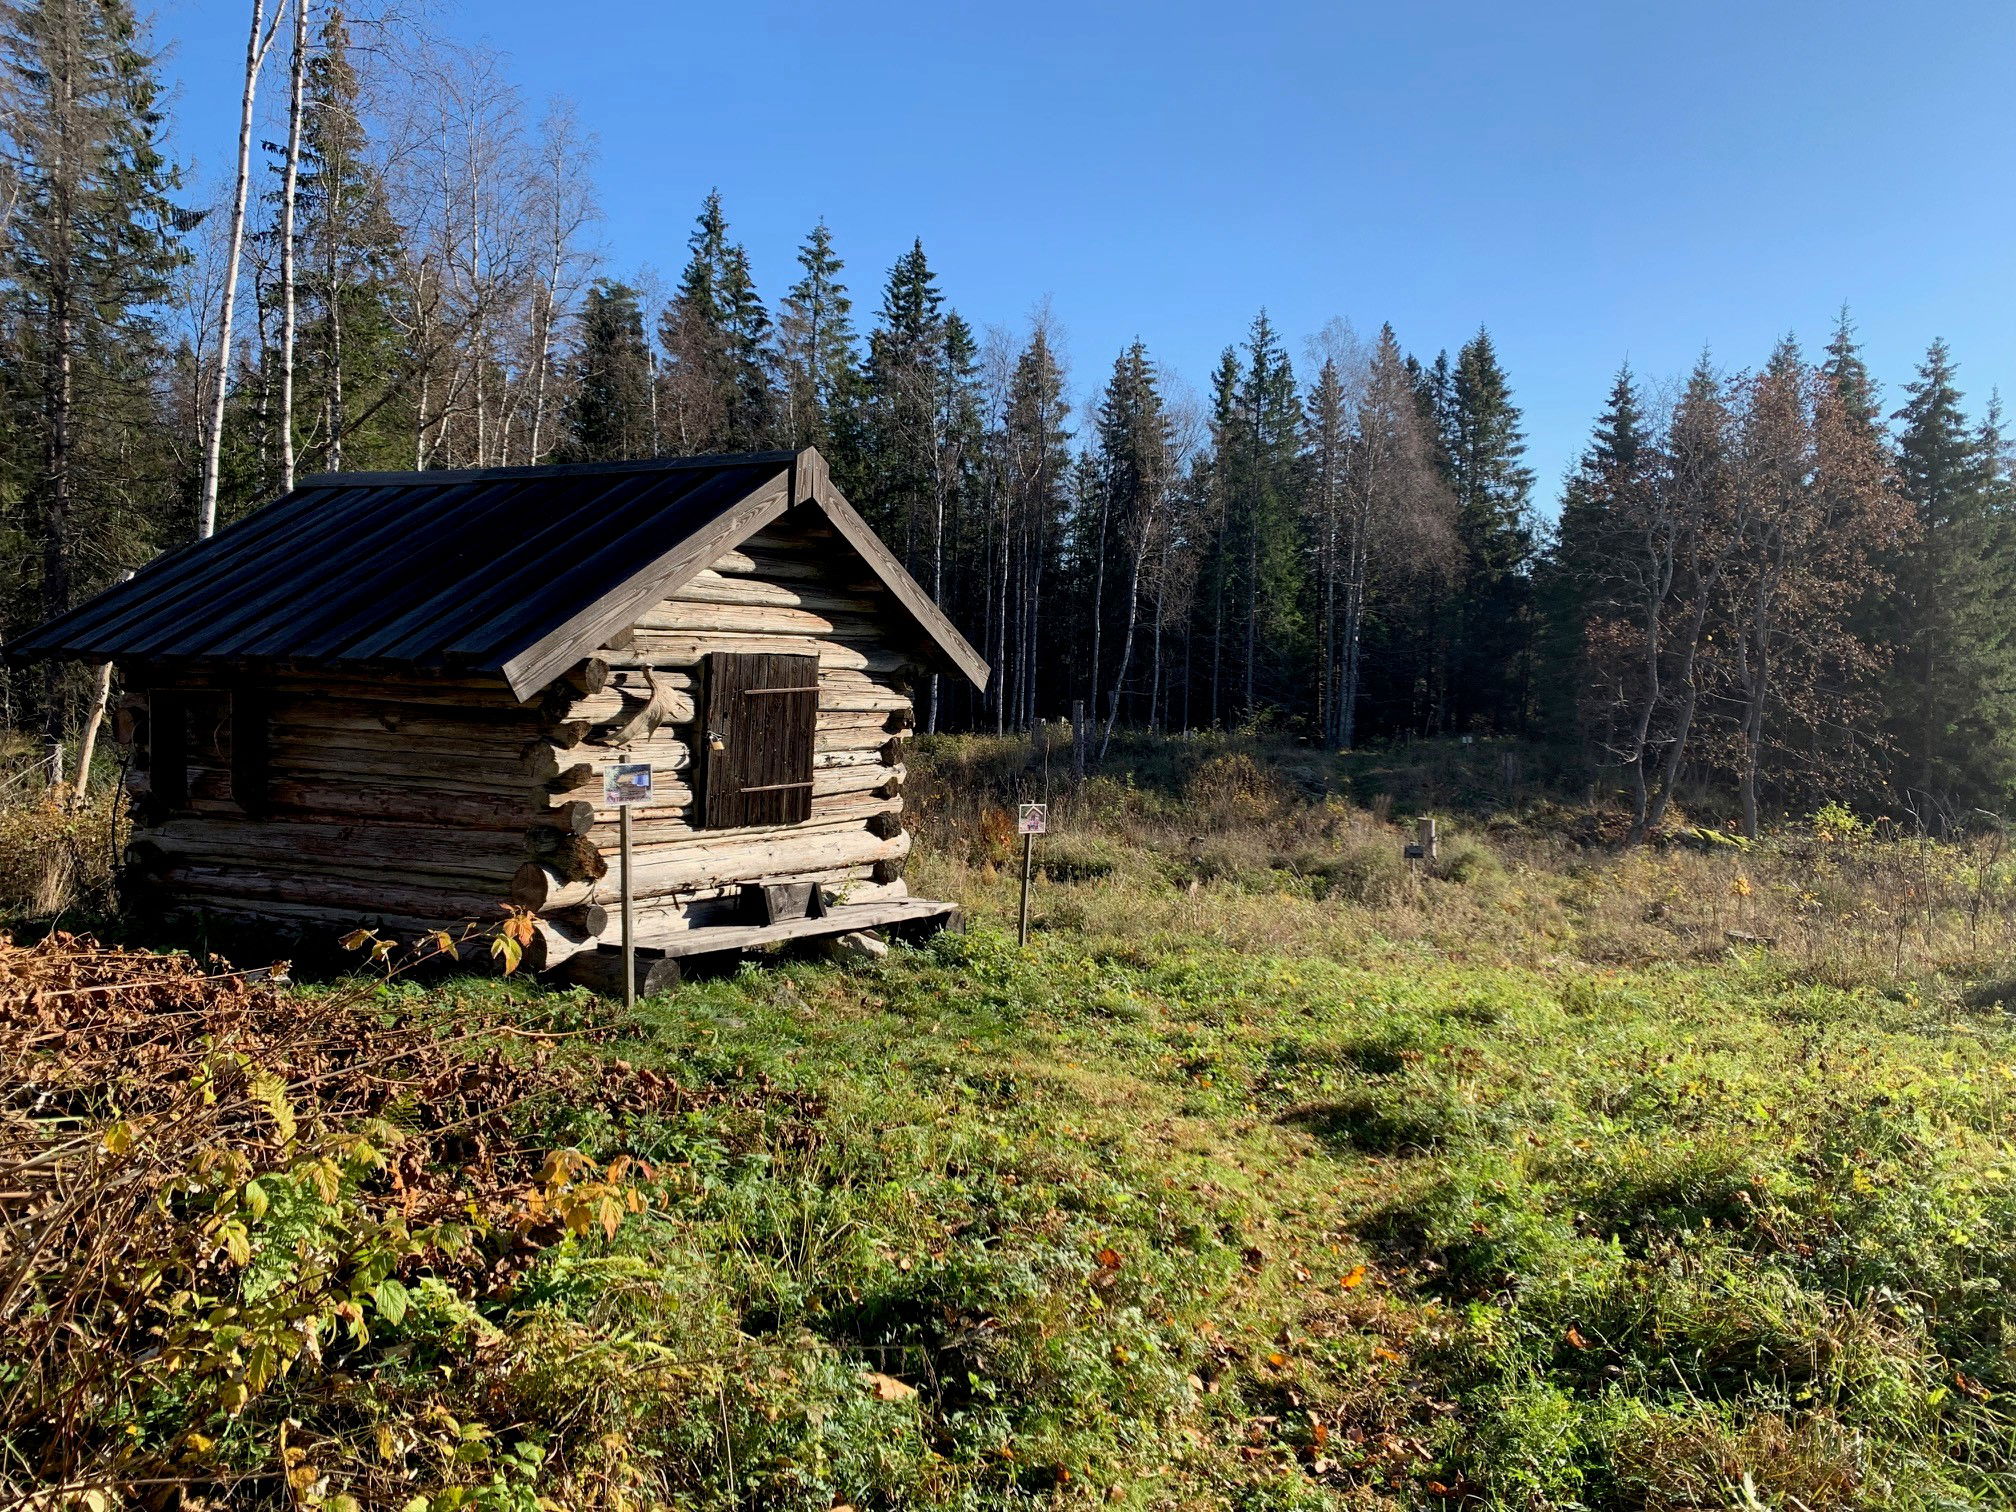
x=1591 y=181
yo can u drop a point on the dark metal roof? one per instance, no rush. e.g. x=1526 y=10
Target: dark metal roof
x=474 y=568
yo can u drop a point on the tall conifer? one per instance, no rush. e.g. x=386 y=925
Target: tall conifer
x=91 y=246
x=608 y=417
x=1489 y=670
x=1953 y=698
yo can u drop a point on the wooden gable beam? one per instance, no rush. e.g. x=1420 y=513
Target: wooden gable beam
x=560 y=648
x=813 y=484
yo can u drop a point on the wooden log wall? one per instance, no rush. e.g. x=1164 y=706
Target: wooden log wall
x=790 y=590
x=420 y=800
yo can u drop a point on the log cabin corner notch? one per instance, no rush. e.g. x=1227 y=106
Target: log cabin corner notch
x=388 y=698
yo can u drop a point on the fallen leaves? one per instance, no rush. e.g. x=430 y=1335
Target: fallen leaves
x=886 y=1388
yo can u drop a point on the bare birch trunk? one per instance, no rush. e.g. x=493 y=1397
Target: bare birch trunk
x=289 y=185
x=213 y=443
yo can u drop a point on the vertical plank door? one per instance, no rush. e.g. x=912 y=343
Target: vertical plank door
x=756 y=734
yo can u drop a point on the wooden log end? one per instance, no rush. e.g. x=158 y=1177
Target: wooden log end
x=601 y=971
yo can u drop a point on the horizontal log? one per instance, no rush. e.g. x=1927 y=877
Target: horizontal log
x=665 y=826
x=670 y=869
x=590 y=675
x=575 y=857
x=863 y=756
x=363 y=896
x=759 y=619
x=713 y=588
x=591 y=919
x=611 y=707
x=888 y=742
x=676 y=649
x=553 y=940
x=528 y=807
x=407 y=848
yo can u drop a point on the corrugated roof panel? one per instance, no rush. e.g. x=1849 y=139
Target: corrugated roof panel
x=411 y=567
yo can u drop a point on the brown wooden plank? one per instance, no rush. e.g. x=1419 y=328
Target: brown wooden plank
x=841 y=918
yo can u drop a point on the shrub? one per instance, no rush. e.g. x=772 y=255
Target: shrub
x=1466 y=861
x=1371 y=872
x=55 y=855
x=1074 y=856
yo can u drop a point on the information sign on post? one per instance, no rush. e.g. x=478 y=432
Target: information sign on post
x=1031 y=820
x=625 y=786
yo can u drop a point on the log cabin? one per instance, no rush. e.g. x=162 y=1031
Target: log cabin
x=391 y=699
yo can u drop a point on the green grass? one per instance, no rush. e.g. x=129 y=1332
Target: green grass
x=1270 y=1177
x=1638 y=1238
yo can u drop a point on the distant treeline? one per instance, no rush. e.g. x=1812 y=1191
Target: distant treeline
x=1760 y=581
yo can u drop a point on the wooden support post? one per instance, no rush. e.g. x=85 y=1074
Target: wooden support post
x=1078 y=737
x=629 y=917
x=1028 y=871
x=1424 y=836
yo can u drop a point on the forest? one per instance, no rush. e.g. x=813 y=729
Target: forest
x=1765 y=581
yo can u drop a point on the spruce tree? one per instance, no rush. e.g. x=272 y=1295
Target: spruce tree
x=1133 y=470
x=815 y=349
x=352 y=355
x=1220 y=475
x=903 y=379
x=608 y=417
x=1491 y=631
x=716 y=337
x=1590 y=559
x=91 y=247
x=1035 y=457
x=1266 y=501
x=1952 y=699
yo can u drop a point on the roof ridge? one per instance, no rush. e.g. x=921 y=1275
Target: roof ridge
x=435 y=476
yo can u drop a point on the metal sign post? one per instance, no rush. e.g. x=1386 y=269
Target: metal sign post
x=625 y=787
x=1032 y=819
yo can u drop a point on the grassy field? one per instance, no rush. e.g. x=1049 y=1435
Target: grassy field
x=1272 y=1175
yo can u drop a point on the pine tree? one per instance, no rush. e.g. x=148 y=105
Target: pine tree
x=1952 y=703
x=1489 y=669
x=608 y=417
x=91 y=248
x=815 y=348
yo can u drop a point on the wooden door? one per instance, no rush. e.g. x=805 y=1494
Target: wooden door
x=756 y=729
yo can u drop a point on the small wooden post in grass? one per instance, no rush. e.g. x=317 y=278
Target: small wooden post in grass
x=1032 y=820
x=625 y=786
x=1421 y=850
x=1079 y=736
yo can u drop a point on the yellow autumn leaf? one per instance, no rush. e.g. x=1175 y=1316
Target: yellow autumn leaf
x=886 y=1388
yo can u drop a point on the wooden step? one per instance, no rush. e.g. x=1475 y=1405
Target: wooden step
x=659 y=951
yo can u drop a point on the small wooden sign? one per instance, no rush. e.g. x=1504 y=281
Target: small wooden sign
x=1033 y=819
x=626 y=784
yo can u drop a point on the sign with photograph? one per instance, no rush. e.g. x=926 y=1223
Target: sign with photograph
x=626 y=784
x=1033 y=819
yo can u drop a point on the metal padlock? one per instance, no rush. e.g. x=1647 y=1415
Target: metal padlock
x=715 y=742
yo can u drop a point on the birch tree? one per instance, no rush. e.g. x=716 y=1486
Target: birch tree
x=259 y=40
